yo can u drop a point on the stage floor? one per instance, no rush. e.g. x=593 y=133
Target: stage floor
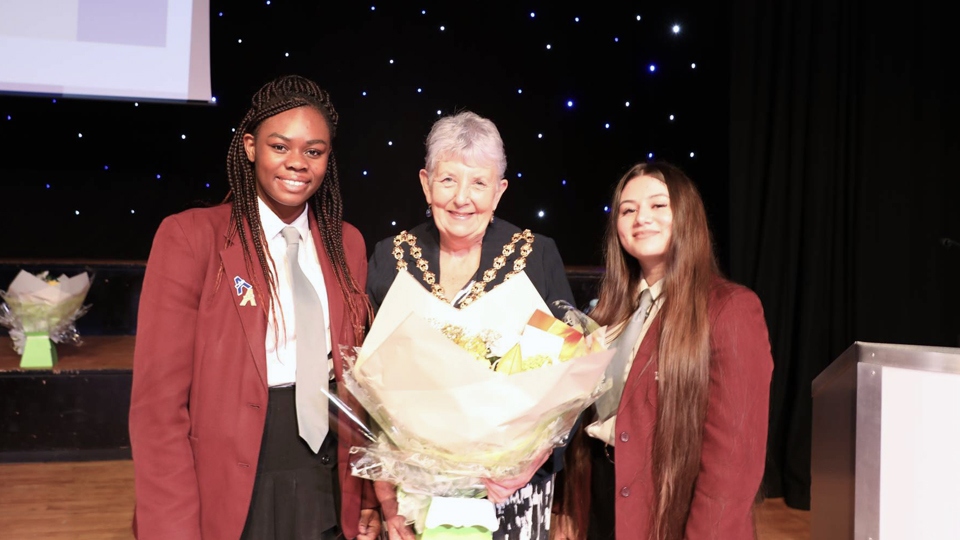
x=94 y=501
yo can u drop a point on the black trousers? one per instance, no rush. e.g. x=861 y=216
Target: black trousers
x=603 y=482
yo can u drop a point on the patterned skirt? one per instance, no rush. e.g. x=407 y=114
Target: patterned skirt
x=526 y=514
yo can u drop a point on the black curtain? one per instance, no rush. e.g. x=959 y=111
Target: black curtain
x=843 y=191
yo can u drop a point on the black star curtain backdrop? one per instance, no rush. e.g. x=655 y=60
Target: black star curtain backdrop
x=579 y=92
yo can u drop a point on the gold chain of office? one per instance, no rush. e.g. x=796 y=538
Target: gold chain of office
x=479 y=287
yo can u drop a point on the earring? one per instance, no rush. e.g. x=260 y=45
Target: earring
x=429 y=212
x=492 y=219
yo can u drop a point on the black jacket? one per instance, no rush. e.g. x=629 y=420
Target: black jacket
x=544 y=268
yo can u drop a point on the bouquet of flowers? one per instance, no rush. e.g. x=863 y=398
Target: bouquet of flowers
x=466 y=394
x=40 y=308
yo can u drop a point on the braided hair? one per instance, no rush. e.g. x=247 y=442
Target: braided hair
x=282 y=94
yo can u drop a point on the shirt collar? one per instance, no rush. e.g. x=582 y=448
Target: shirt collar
x=272 y=225
x=654 y=291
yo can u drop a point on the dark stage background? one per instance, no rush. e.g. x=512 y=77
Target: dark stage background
x=822 y=136
x=844 y=190
x=390 y=68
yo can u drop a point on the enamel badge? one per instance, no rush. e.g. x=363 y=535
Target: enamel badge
x=246 y=290
x=241 y=285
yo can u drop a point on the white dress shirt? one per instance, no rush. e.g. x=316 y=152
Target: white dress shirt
x=606 y=431
x=282 y=346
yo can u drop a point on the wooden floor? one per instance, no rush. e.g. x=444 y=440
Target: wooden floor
x=94 y=501
x=777 y=521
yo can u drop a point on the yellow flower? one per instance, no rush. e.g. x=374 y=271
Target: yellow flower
x=535 y=361
x=452 y=332
x=475 y=346
x=478 y=345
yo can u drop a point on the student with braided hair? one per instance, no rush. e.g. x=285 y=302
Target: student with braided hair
x=223 y=445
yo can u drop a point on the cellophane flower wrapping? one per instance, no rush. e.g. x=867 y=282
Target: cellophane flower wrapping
x=43 y=304
x=448 y=420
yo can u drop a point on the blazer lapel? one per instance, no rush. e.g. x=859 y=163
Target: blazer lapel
x=250 y=310
x=646 y=358
x=335 y=303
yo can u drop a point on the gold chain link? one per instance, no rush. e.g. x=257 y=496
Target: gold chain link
x=479 y=288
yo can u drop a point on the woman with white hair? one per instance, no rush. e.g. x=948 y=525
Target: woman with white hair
x=459 y=253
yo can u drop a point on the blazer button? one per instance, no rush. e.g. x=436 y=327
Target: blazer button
x=625 y=492
x=624 y=436
x=325 y=459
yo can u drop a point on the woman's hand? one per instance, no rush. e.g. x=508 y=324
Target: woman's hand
x=397 y=528
x=369 y=524
x=500 y=490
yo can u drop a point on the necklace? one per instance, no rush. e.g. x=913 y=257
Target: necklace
x=479 y=287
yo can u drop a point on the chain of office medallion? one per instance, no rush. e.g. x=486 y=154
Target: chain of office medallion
x=479 y=287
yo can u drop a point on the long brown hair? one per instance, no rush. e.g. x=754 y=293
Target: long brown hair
x=684 y=340
x=282 y=94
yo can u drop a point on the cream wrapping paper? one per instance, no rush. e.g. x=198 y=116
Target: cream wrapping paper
x=447 y=419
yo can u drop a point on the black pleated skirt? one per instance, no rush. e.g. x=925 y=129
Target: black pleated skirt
x=296 y=493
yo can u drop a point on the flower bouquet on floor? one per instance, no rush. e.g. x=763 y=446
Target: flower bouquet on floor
x=40 y=310
x=465 y=394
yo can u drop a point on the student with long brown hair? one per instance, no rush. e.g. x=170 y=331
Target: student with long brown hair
x=243 y=309
x=679 y=451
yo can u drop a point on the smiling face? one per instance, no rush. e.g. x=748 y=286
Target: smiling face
x=462 y=199
x=289 y=151
x=645 y=224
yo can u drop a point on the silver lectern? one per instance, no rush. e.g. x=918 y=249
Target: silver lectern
x=885 y=456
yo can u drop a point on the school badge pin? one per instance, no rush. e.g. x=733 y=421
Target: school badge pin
x=245 y=290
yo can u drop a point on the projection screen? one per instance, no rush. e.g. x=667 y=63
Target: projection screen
x=117 y=49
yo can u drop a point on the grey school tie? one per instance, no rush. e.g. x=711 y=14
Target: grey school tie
x=608 y=403
x=312 y=371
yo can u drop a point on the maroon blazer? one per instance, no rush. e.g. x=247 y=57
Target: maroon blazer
x=199 y=398
x=734 y=434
